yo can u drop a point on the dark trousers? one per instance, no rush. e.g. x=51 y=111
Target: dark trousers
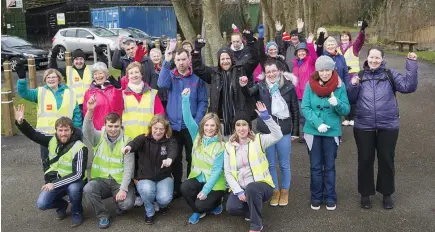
x=322 y=167
x=256 y=193
x=190 y=190
x=183 y=140
x=351 y=114
x=369 y=143
x=44 y=158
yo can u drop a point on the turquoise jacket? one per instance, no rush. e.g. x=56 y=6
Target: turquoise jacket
x=32 y=96
x=317 y=110
x=218 y=164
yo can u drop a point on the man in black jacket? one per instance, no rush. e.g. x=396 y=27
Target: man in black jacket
x=226 y=97
x=66 y=174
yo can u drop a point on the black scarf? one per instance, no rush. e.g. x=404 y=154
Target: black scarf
x=228 y=109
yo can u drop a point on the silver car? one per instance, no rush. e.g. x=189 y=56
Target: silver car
x=70 y=39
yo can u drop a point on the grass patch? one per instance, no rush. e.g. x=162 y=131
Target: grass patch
x=29 y=111
x=341 y=28
x=424 y=55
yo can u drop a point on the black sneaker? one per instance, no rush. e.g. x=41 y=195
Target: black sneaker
x=365 y=202
x=163 y=211
x=120 y=212
x=149 y=220
x=388 y=202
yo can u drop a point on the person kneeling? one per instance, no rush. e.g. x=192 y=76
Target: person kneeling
x=247 y=169
x=111 y=171
x=155 y=152
x=67 y=165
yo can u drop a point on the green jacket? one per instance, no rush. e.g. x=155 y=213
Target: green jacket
x=317 y=110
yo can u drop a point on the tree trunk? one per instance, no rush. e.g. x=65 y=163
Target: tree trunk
x=214 y=38
x=267 y=20
x=183 y=20
x=305 y=7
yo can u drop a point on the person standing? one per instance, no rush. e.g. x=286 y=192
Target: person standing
x=376 y=127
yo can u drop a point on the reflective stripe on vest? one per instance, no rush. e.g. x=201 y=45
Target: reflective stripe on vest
x=47 y=112
x=108 y=162
x=203 y=160
x=63 y=166
x=78 y=84
x=257 y=161
x=351 y=59
x=137 y=115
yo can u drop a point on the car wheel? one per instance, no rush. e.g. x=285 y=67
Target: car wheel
x=61 y=55
x=14 y=61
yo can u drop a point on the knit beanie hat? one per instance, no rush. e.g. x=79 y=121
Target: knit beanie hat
x=325 y=63
x=187 y=42
x=78 y=53
x=294 y=33
x=286 y=36
x=269 y=44
x=242 y=115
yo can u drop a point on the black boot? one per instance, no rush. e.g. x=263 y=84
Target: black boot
x=388 y=202
x=365 y=202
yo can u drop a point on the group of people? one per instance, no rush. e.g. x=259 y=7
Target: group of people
x=138 y=126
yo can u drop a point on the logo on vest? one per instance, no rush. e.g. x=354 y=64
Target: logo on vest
x=77 y=79
x=49 y=107
x=163 y=151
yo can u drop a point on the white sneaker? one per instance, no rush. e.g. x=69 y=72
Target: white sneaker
x=315 y=206
x=138 y=202
x=156 y=207
x=351 y=123
x=345 y=123
x=331 y=207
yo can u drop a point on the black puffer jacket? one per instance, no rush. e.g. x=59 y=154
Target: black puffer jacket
x=287 y=89
x=149 y=155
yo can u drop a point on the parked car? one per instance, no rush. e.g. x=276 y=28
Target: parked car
x=136 y=34
x=14 y=49
x=70 y=39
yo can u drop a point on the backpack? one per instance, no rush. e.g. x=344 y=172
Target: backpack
x=389 y=77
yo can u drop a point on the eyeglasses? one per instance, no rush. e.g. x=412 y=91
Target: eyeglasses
x=272 y=71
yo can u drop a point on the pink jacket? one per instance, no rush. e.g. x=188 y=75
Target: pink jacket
x=304 y=71
x=257 y=72
x=108 y=100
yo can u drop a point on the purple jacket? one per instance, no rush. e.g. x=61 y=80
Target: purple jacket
x=376 y=105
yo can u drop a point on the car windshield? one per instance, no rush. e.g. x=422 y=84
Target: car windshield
x=15 y=42
x=137 y=32
x=102 y=32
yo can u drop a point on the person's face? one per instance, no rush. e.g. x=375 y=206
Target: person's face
x=344 y=38
x=113 y=129
x=156 y=58
x=134 y=76
x=182 y=62
x=130 y=49
x=52 y=80
x=158 y=131
x=294 y=39
x=236 y=41
x=242 y=129
x=225 y=61
x=79 y=62
x=63 y=133
x=302 y=53
x=273 y=51
x=330 y=47
x=188 y=47
x=374 y=59
x=210 y=128
x=325 y=75
x=100 y=77
x=271 y=73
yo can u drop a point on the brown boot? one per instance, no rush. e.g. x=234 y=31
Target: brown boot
x=283 y=199
x=275 y=198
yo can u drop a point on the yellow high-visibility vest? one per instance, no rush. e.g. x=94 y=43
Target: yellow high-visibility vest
x=63 y=166
x=137 y=115
x=351 y=59
x=257 y=161
x=78 y=84
x=47 y=112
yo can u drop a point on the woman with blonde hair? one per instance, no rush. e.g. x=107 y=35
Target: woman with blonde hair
x=155 y=152
x=205 y=186
x=53 y=100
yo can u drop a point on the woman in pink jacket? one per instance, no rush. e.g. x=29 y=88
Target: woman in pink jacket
x=303 y=67
x=109 y=98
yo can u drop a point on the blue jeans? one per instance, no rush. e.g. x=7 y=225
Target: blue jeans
x=322 y=160
x=151 y=191
x=54 y=198
x=283 y=148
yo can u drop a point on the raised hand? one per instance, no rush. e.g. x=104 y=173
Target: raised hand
x=261 y=108
x=173 y=44
x=92 y=102
x=278 y=26
x=186 y=91
x=249 y=36
x=412 y=56
x=243 y=81
x=261 y=31
x=333 y=100
x=55 y=51
x=21 y=70
x=310 y=38
x=121 y=42
x=199 y=44
x=19 y=113
x=321 y=38
x=168 y=54
x=300 y=25
x=364 y=25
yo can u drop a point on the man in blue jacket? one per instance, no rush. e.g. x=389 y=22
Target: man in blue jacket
x=176 y=81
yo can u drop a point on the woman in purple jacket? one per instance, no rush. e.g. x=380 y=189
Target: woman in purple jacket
x=377 y=121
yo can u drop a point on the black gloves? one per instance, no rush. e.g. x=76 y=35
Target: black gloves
x=364 y=25
x=249 y=36
x=199 y=44
x=98 y=50
x=55 y=52
x=321 y=39
x=21 y=70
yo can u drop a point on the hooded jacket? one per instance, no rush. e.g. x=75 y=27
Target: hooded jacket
x=287 y=89
x=79 y=161
x=149 y=154
x=376 y=105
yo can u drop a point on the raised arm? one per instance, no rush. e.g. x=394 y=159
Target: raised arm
x=24 y=91
x=187 y=114
x=89 y=131
x=116 y=60
x=28 y=130
x=202 y=99
x=199 y=68
x=275 y=135
x=248 y=92
x=407 y=83
x=359 y=41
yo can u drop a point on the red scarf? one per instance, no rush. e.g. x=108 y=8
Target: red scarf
x=176 y=73
x=325 y=89
x=157 y=67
